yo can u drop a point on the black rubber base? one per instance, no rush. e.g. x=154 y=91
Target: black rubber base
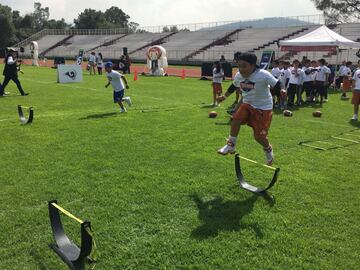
x=22 y=118
x=245 y=185
x=72 y=255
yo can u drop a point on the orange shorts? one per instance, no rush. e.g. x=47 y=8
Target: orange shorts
x=259 y=120
x=356 y=98
x=217 y=88
x=346 y=84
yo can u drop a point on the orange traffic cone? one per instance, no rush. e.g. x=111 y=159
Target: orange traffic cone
x=135 y=75
x=183 y=74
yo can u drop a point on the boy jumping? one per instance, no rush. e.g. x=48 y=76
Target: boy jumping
x=256 y=109
x=116 y=80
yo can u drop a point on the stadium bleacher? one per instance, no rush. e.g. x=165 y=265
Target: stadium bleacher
x=193 y=46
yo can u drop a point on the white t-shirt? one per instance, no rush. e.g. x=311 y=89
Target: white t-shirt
x=341 y=69
x=218 y=77
x=309 y=74
x=276 y=72
x=356 y=78
x=114 y=78
x=99 y=61
x=297 y=76
x=285 y=74
x=10 y=60
x=92 y=58
x=321 y=73
x=346 y=71
x=255 y=89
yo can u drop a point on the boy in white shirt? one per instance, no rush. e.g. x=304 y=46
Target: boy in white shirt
x=346 y=75
x=92 y=63
x=218 y=75
x=276 y=72
x=321 y=80
x=296 y=79
x=340 y=78
x=308 y=80
x=116 y=80
x=356 y=93
x=256 y=109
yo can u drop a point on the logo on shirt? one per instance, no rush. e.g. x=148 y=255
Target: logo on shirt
x=247 y=85
x=71 y=74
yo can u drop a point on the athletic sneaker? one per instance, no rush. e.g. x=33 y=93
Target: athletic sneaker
x=128 y=101
x=269 y=154
x=228 y=148
x=123 y=110
x=355 y=117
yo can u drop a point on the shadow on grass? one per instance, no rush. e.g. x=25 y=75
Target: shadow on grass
x=218 y=215
x=355 y=123
x=39 y=259
x=97 y=116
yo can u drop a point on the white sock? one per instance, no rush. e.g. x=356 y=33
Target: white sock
x=232 y=139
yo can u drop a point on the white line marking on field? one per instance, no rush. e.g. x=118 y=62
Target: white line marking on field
x=327 y=123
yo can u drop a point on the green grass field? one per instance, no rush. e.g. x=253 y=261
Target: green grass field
x=155 y=190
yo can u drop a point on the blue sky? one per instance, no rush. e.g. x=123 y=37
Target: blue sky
x=167 y=12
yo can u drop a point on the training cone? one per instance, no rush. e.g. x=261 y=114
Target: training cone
x=135 y=75
x=183 y=74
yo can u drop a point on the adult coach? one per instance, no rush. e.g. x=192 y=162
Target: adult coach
x=10 y=73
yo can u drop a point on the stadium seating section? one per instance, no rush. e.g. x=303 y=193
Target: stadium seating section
x=194 y=46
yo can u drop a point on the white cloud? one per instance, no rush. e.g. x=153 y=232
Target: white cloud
x=162 y=12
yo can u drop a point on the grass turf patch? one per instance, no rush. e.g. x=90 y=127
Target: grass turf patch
x=156 y=192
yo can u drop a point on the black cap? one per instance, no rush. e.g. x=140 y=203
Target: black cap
x=248 y=57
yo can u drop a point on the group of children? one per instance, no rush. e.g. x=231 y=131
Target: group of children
x=314 y=78
x=262 y=90
x=311 y=77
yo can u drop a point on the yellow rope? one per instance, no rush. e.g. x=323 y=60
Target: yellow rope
x=67 y=213
x=343 y=139
x=255 y=162
x=316 y=147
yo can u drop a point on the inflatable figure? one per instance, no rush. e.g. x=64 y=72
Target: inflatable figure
x=34 y=50
x=156 y=60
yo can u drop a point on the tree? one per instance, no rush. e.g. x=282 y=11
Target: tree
x=339 y=11
x=40 y=15
x=90 y=19
x=6 y=11
x=166 y=29
x=116 y=17
x=133 y=27
x=174 y=29
x=7 y=30
x=57 y=24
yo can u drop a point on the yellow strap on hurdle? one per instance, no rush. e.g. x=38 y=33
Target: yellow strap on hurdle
x=312 y=146
x=255 y=162
x=67 y=213
x=343 y=139
x=348 y=134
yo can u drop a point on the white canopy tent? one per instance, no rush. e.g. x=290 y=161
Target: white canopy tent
x=321 y=39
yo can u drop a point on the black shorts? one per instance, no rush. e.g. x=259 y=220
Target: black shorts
x=320 y=88
x=308 y=87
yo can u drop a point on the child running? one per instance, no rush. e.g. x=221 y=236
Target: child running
x=256 y=109
x=116 y=80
